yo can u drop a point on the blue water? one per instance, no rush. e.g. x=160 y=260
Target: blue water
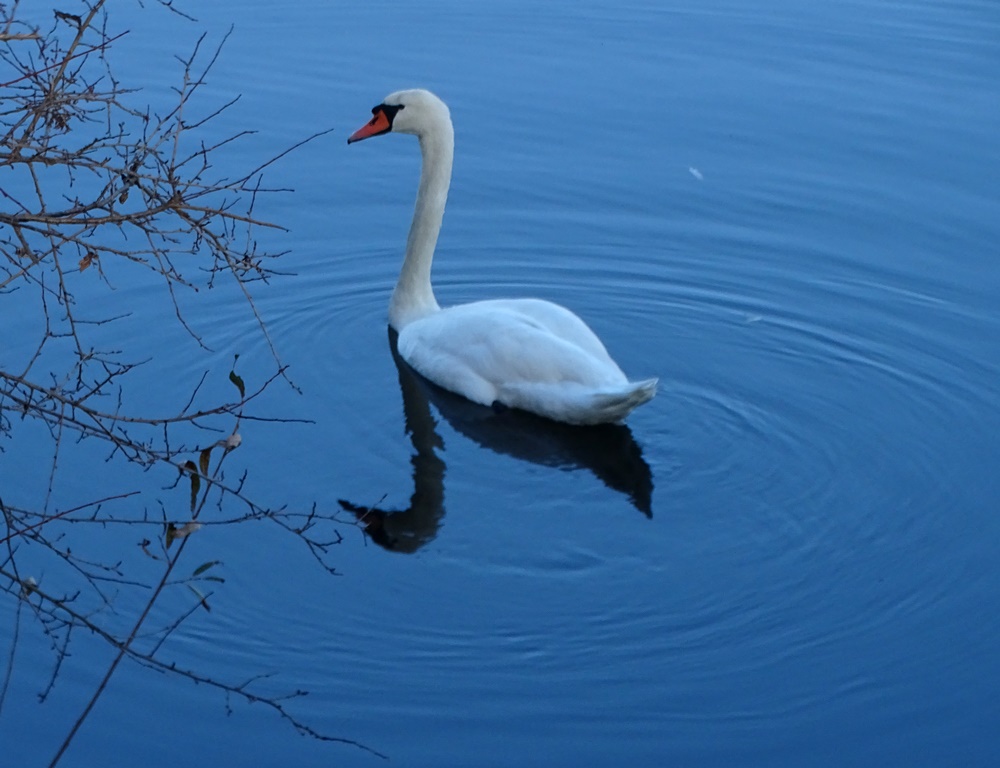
x=789 y=213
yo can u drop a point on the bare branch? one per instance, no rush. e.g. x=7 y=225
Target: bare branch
x=96 y=186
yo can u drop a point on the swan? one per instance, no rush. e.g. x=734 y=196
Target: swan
x=516 y=353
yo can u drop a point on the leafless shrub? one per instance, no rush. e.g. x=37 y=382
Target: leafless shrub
x=91 y=185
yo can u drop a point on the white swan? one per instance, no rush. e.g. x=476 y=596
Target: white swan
x=520 y=353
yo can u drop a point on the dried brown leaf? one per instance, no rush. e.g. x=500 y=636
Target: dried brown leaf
x=87 y=260
x=203 y=460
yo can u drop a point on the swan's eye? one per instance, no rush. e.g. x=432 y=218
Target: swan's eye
x=389 y=110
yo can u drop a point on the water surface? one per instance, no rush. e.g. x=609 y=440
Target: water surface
x=787 y=213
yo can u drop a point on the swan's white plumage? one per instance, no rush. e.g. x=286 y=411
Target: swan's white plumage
x=522 y=353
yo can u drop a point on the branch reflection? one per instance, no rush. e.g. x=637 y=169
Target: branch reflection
x=609 y=451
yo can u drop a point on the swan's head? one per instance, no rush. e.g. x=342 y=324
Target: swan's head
x=415 y=111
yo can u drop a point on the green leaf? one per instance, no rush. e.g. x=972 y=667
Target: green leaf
x=195 y=486
x=205 y=566
x=195 y=482
x=201 y=598
x=235 y=378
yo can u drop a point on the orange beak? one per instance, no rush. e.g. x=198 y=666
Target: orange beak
x=378 y=125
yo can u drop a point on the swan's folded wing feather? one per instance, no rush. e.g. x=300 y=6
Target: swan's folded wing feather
x=523 y=353
x=555 y=319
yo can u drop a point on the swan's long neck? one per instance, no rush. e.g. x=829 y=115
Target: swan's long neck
x=413 y=297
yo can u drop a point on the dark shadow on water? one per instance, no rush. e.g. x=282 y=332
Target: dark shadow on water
x=609 y=451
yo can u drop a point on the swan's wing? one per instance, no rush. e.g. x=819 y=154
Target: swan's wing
x=501 y=350
x=558 y=320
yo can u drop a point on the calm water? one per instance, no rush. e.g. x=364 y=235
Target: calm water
x=790 y=214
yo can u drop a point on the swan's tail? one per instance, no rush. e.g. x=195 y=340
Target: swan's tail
x=615 y=405
x=581 y=405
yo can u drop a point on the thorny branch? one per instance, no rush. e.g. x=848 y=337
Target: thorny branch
x=94 y=187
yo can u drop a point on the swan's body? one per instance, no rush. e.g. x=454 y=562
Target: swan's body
x=520 y=353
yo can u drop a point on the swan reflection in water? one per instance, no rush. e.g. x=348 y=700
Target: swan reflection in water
x=608 y=450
